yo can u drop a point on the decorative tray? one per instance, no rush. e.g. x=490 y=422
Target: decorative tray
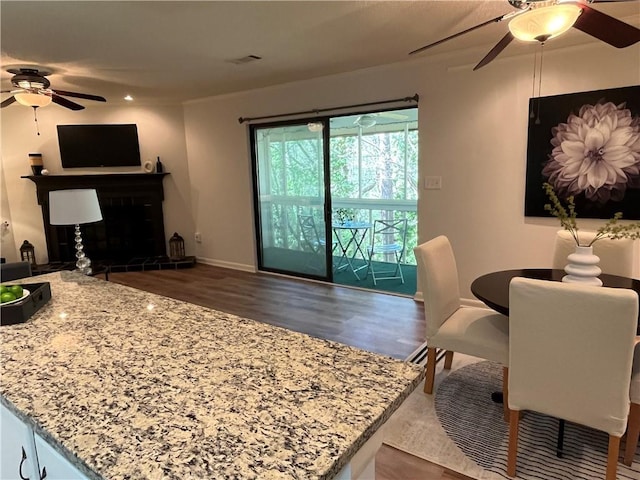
x=19 y=311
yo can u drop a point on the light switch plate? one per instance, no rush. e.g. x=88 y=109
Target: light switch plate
x=432 y=183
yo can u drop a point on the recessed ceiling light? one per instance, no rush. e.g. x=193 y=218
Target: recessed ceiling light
x=128 y=98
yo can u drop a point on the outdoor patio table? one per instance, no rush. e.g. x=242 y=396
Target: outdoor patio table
x=350 y=234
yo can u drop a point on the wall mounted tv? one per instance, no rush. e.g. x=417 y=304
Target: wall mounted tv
x=83 y=146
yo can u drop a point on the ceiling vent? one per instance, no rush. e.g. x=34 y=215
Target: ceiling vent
x=243 y=60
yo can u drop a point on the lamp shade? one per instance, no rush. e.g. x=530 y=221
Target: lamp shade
x=32 y=99
x=541 y=24
x=74 y=207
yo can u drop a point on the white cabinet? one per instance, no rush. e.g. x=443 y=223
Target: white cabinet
x=53 y=464
x=25 y=455
x=17 y=453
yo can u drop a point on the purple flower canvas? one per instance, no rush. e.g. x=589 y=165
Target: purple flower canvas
x=587 y=145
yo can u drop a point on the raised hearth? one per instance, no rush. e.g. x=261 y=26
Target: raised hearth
x=132 y=225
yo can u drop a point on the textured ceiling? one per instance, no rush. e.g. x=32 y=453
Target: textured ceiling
x=176 y=51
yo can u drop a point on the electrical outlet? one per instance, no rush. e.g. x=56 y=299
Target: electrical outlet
x=432 y=183
x=198 y=237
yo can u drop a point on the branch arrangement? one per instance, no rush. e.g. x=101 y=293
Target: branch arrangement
x=567 y=216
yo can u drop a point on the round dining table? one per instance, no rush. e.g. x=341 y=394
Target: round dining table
x=493 y=288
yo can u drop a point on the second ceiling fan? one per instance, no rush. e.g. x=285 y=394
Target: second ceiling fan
x=32 y=88
x=540 y=20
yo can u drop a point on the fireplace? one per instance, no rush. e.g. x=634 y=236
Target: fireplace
x=132 y=226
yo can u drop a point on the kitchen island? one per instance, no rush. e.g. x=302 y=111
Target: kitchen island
x=128 y=384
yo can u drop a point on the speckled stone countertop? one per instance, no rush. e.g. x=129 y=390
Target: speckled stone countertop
x=131 y=385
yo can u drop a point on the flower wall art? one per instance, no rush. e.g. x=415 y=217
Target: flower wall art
x=586 y=145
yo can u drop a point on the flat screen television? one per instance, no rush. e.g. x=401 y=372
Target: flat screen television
x=83 y=146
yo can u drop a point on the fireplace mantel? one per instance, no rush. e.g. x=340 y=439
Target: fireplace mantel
x=46 y=183
x=131 y=204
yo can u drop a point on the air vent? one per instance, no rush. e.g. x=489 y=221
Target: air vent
x=243 y=60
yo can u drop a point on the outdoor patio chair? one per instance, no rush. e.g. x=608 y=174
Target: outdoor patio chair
x=388 y=240
x=310 y=237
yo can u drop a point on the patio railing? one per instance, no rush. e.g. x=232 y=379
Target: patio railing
x=284 y=231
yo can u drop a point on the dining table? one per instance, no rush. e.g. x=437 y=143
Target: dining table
x=493 y=288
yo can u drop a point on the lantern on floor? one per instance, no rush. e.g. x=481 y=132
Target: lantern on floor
x=28 y=253
x=176 y=247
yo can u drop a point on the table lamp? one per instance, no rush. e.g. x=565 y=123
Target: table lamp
x=75 y=207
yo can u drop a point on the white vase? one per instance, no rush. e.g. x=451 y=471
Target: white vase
x=583 y=267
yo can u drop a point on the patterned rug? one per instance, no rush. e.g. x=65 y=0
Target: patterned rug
x=460 y=428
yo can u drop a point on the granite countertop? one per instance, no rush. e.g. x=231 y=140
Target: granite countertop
x=128 y=384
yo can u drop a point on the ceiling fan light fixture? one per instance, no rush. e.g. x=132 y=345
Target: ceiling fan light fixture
x=29 y=99
x=541 y=24
x=365 y=121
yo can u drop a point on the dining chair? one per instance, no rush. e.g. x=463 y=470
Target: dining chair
x=633 y=425
x=616 y=256
x=451 y=327
x=14 y=270
x=554 y=330
x=388 y=239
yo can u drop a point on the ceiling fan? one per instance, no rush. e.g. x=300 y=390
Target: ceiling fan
x=370 y=119
x=540 y=20
x=32 y=89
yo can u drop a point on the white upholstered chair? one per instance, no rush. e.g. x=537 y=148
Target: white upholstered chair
x=479 y=332
x=616 y=256
x=555 y=329
x=633 y=426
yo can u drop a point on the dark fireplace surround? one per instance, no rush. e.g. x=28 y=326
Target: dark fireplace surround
x=132 y=227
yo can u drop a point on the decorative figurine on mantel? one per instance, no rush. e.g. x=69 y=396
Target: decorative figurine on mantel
x=35 y=160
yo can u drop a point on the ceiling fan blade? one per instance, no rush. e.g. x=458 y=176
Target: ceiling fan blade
x=495 y=51
x=606 y=28
x=8 y=102
x=480 y=25
x=86 y=96
x=65 y=103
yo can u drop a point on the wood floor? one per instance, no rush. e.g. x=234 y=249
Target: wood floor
x=385 y=324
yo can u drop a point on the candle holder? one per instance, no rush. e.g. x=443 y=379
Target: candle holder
x=35 y=160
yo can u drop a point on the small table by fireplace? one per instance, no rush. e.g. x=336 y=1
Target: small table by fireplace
x=59 y=266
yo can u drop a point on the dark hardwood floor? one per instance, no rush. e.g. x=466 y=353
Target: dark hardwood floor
x=385 y=324
x=380 y=323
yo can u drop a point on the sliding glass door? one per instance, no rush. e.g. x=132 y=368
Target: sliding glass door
x=322 y=185
x=290 y=185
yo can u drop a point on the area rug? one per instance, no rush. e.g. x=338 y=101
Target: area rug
x=461 y=429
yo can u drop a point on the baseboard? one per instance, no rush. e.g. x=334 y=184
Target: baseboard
x=230 y=265
x=466 y=302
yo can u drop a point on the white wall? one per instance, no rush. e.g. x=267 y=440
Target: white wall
x=473 y=132
x=160 y=132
